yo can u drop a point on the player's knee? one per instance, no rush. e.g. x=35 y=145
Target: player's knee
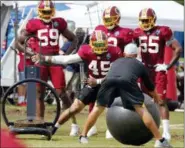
x=74 y=109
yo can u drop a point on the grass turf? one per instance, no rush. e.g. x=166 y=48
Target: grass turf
x=61 y=138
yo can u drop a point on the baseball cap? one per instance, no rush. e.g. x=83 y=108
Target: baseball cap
x=131 y=48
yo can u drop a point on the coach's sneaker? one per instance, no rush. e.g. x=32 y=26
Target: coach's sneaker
x=163 y=144
x=74 y=130
x=167 y=136
x=92 y=131
x=108 y=135
x=83 y=139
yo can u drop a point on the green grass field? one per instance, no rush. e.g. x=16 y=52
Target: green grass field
x=61 y=139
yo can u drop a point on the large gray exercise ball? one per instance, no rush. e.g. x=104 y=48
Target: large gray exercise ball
x=126 y=126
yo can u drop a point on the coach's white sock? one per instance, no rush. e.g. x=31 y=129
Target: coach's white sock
x=166 y=127
x=20 y=99
x=57 y=125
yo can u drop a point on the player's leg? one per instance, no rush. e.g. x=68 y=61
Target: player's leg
x=21 y=90
x=58 y=80
x=91 y=120
x=75 y=108
x=151 y=125
x=79 y=103
x=104 y=97
x=40 y=107
x=132 y=97
x=161 y=86
x=93 y=130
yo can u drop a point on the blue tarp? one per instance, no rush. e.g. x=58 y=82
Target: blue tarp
x=180 y=37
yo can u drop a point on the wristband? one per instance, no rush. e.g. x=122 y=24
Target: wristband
x=48 y=59
x=98 y=81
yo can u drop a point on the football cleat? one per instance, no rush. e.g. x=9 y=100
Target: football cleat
x=83 y=139
x=92 y=131
x=74 y=130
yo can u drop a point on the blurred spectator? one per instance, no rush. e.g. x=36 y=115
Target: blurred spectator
x=72 y=75
x=180 y=82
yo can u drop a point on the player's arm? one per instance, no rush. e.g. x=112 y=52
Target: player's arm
x=150 y=86
x=19 y=43
x=59 y=59
x=173 y=43
x=176 y=55
x=71 y=37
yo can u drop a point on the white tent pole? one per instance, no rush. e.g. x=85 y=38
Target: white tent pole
x=89 y=17
x=99 y=20
x=15 y=29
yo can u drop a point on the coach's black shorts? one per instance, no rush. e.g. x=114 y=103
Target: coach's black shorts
x=129 y=92
x=88 y=94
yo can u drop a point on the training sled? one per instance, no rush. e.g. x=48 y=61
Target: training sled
x=31 y=125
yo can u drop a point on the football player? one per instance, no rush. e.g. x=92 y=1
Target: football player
x=99 y=57
x=47 y=29
x=151 y=40
x=117 y=36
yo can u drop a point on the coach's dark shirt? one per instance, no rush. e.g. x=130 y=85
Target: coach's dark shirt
x=130 y=69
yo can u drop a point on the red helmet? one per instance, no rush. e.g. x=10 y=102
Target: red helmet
x=46 y=10
x=111 y=17
x=147 y=19
x=99 y=42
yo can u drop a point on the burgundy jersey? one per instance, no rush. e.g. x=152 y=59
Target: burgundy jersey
x=118 y=36
x=47 y=33
x=152 y=44
x=98 y=66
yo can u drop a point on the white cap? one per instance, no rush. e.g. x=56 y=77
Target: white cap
x=131 y=48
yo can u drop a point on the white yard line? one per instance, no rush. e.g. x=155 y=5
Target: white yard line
x=176 y=126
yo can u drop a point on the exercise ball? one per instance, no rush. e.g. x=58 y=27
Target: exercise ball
x=126 y=126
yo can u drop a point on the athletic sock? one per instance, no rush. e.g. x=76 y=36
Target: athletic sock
x=57 y=125
x=166 y=128
x=20 y=99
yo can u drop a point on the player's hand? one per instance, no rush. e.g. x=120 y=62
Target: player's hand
x=91 y=81
x=29 y=52
x=159 y=101
x=161 y=67
x=37 y=58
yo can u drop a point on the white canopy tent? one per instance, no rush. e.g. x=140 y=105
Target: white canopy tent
x=168 y=13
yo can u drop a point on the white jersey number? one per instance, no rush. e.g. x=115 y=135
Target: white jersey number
x=53 y=35
x=112 y=41
x=150 y=43
x=103 y=70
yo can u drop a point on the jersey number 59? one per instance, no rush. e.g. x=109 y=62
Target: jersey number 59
x=50 y=39
x=104 y=67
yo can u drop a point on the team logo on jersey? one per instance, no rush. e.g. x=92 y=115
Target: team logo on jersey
x=108 y=56
x=157 y=32
x=55 y=24
x=116 y=33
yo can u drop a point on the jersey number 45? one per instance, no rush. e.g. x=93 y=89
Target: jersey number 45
x=102 y=69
